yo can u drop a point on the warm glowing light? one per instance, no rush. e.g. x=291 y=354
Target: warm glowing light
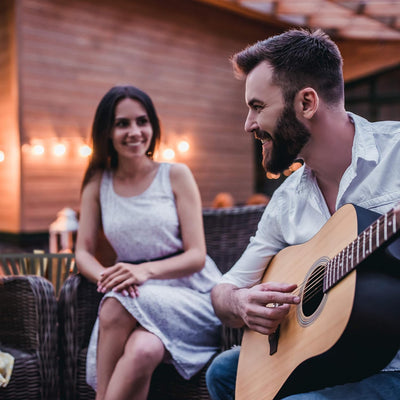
x=59 y=149
x=2 y=156
x=85 y=150
x=295 y=166
x=287 y=172
x=168 y=154
x=37 y=150
x=270 y=175
x=183 y=146
x=156 y=155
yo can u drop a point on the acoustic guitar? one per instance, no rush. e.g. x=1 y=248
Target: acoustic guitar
x=347 y=325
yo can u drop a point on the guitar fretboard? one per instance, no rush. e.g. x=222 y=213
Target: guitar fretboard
x=386 y=227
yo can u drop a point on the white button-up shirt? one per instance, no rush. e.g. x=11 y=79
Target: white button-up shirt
x=298 y=210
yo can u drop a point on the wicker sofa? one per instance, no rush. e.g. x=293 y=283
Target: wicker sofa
x=29 y=283
x=28 y=331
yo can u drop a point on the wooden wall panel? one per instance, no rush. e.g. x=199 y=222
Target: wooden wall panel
x=73 y=51
x=9 y=133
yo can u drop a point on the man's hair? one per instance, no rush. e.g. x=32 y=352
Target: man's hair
x=299 y=58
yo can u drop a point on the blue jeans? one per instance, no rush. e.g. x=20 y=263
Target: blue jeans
x=221 y=378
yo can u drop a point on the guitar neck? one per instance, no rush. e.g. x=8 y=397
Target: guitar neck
x=384 y=230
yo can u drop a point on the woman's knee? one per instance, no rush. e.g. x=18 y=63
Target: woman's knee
x=144 y=349
x=113 y=314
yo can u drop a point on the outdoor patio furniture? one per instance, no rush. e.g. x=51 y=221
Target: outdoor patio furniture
x=228 y=230
x=227 y=233
x=55 y=267
x=28 y=331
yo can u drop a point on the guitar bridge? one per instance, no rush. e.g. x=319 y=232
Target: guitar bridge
x=273 y=339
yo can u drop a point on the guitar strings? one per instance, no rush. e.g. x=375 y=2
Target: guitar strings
x=335 y=264
x=351 y=249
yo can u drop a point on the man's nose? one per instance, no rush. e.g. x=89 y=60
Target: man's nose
x=250 y=125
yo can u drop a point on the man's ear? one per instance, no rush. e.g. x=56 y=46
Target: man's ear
x=306 y=102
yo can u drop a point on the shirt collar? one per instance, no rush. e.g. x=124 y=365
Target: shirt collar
x=364 y=145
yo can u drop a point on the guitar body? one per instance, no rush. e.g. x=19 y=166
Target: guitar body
x=343 y=335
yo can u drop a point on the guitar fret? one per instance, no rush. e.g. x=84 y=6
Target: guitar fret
x=364 y=233
x=337 y=268
x=385 y=228
x=367 y=236
x=377 y=233
x=370 y=239
x=362 y=247
x=333 y=270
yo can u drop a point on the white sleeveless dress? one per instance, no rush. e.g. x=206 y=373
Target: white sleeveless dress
x=178 y=311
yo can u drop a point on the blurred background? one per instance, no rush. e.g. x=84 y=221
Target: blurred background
x=59 y=57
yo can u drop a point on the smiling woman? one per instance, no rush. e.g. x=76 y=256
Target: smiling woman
x=157 y=292
x=132 y=130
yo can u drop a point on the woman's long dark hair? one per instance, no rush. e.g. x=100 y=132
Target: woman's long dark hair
x=104 y=155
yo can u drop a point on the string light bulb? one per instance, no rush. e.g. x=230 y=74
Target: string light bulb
x=37 y=149
x=168 y=154
x=59 y=149
x=295 y=166
x=270 y=175
x=2 y=156
x=183 y=146
x=85 y=150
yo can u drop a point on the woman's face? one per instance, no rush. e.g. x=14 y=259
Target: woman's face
x=132 y=131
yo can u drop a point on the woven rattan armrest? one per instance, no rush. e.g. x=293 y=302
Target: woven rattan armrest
x=28 y=329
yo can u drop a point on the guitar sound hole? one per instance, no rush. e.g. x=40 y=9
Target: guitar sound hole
x=313 y=291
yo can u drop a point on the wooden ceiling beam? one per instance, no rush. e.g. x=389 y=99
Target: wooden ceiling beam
x=357 y=19
x=367 y=45
x=363 y=58
x=237 y=7
x=386 y=8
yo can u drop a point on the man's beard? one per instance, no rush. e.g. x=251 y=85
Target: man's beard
x=289 y=138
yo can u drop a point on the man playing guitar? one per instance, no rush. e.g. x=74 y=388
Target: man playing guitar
x=295 y=97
